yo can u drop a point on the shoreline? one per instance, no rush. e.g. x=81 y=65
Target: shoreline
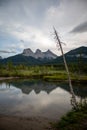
x=24 y=123
x=8 y=78
x=45 y=79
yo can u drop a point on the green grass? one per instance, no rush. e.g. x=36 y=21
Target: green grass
x=73 y=120
x=63 y=76
x=58 y=76
x=46 y=73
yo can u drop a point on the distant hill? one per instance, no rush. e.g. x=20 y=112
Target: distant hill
x=20 y=59
x=73 y=56
x=78 y=52
x=41 y=58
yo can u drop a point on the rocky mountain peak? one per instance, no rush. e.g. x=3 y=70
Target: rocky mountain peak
x=48 y=51
x=28 y=52
x=39 y=54
x=49 y=54
x=38 y=51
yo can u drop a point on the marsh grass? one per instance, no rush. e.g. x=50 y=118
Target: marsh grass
x=73 y=120
x=48 y=74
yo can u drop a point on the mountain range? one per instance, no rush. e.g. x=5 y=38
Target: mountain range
x=28 y=57
x=39 y=54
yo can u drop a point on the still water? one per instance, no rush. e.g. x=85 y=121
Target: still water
x=37 y=98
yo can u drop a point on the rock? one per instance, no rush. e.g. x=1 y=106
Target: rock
x=39 y=54
x=28 y=52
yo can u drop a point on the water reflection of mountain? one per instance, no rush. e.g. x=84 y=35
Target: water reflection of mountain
x=27 y=86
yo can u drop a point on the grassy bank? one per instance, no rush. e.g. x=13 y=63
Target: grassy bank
x=63 y=77
x=73 y=120
x=46 y=73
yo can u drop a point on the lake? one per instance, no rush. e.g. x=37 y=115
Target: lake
x=36 y=98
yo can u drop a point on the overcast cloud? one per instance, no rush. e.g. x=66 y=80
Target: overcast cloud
x=29 y=24
x=80 y=28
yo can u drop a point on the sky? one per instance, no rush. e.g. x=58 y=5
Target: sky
x=29 y=24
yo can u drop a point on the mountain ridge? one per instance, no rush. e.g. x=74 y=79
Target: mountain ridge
x=39 y=54
x=72 y=56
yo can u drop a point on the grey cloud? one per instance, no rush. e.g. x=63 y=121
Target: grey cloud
x=80 y=28
x=27 y=9
x=17 y=15
x=4 y=51
x=4 y=2
x=23 y=13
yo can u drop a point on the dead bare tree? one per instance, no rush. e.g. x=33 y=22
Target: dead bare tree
x=59 y=44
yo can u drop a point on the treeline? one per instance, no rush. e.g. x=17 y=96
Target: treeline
x=73 y=67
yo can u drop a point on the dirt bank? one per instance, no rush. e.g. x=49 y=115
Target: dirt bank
x=24 y=123
x=6 y=78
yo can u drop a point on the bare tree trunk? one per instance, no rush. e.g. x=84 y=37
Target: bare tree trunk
x=73 y=100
